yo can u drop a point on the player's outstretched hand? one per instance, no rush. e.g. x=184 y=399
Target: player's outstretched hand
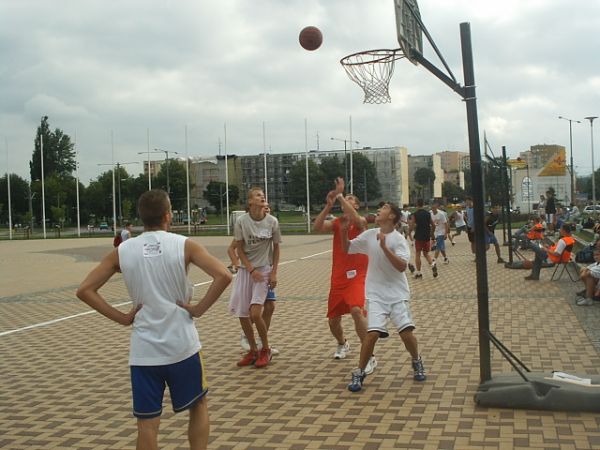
x=340 y=185
x=130 y=316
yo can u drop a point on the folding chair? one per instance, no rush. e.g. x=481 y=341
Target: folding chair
x=564 y=267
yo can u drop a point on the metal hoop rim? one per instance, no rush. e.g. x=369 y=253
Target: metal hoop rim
x=387 y=55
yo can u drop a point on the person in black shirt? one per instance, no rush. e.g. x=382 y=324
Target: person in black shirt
x=422 y=225
x=491 y=221
x=550 y=211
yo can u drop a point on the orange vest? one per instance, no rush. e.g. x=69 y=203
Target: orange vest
x=536 y=233
x=565 y=256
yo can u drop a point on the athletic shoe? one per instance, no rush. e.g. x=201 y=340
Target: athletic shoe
x=274 y=351
x=417 y=365
x=371 y=365
x=446 y=261
x=453 y=243
x=584 y=301
x=246 y=345
x=434 y=270
x=418 y=275
x=500 y=261
x=264 y=356
x=248 y=360
x=358 y=376
x=580 y=293
x=244 y=342
x=531 y=278
x=342 y=350
x=411 y=268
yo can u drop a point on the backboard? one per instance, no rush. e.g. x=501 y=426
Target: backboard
x=409 y=30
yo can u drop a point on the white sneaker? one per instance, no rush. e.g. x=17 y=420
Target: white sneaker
x=246 y=345
x=342 y=350
x=244 y=342
x=274 y=351
x=371 y=365
x=584 y=301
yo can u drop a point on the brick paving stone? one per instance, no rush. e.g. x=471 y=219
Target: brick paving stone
x=66 y=384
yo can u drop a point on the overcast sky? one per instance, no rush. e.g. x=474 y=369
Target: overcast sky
x=96 y=66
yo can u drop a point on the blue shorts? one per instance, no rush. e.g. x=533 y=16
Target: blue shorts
x=271 y=294
x=491 y=239
x=186 y=381
x=440 y=243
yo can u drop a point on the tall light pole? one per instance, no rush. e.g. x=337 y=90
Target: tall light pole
x=345 y=141
x=591 y=119
x=44 y=118
x=571 y=147
x=166 y=152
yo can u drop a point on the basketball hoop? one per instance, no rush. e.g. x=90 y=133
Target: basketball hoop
x=372 y=70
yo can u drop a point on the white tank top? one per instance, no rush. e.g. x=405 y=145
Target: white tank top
x=153 y=267
x=459 y=219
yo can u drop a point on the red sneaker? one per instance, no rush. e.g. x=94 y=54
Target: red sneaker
x=264 y=356
x=249 y=359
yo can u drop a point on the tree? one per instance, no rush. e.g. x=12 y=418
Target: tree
x=319 y=184
x=366 y=183
x=452 y=191
x=215 y=194
x=177 y=180
x=494 y=181
x=59 y=153
x=19 y=199
x=425 y=177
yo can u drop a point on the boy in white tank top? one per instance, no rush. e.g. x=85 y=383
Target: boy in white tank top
x=164 y=341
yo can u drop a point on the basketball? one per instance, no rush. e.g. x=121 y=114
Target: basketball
x=310 y=38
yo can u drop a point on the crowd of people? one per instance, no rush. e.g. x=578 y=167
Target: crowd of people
x=368 y=282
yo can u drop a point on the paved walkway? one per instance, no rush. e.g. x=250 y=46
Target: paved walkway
x=64 y=379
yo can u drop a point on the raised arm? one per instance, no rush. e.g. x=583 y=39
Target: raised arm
x=321 y=224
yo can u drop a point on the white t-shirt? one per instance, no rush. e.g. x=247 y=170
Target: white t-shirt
x=153 y=267
x=384 y=282
x=259 y=237
x=459 y=219
x=439 y=220
x=405 y=215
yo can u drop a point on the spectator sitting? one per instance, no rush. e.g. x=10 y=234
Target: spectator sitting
x=557 y=253
x=590 y=276
x=575 y=214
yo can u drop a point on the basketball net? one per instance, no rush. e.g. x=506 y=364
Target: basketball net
x=372 y=70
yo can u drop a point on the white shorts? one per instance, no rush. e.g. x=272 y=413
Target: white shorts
x=379 y=312
x=246 y=291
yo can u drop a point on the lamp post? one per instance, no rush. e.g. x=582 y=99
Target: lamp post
x=591 y=119
x=571 y=149
x=345 y=141
x=166 y=152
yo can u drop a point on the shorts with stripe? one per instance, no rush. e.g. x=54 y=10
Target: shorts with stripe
x=186 y=380
x=381 y=311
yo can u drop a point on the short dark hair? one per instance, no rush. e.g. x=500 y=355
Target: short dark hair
x=419 y=202
x=567 y=228
x=395 y=211
x=152 y=207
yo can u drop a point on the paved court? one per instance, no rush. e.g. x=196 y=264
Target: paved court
x=64 y=379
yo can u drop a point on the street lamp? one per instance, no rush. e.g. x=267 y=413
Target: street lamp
x=345 y=141
x=166 y=152
x=591 y=119
x=571 y=146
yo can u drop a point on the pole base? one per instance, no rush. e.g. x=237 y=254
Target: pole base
x=540 y=392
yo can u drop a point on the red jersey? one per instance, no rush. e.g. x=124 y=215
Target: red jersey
x=346 y=268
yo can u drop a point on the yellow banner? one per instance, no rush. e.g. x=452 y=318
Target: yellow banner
x=556 y=167
x=517 y=163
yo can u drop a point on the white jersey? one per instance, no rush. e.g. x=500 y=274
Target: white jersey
x=404 y=217
x=459 y=219
x=384 y=282
x=440 y=219
x=153 y=267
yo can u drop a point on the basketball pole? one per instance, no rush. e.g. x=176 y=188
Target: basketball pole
x=485 y=370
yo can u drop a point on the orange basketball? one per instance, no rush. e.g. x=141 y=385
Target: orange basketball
x=310 y=38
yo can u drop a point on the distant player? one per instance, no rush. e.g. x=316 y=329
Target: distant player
x=422 y=226
x=458 y=217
